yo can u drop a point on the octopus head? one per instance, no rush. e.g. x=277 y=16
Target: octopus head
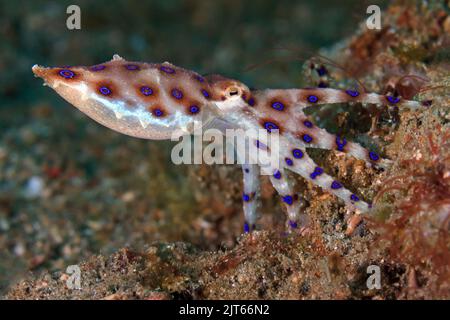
x=229 y=94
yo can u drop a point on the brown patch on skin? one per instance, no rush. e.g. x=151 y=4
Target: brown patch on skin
x=174 y=89
x=167 y=69
x=262 y=121
x=304 y=120
x=343 y=95
x=188 y=103
x=198 y=78
x=132 y=66
x=206 y=84
x=189 y=112
x=305 y=93
x=97 y=68
x=302 y=134
x=154 y=88
x=154 y=110
x=207 y=92
x=280 y=100
x=77 y=75
x=97 y=85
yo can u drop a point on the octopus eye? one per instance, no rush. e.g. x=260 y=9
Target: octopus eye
x=233 y=91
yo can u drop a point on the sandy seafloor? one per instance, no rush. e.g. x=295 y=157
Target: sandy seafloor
x=140 y=227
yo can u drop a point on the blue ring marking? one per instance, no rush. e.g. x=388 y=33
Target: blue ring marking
x=98 y=68
x=146 y=91
x=317 y=172
x=307 y=138
x=269 y=126
x=205 y=93
x=251 y=101
x=167 y=69
x=105 y=91
x=158 y=112
x=246 y=228
x=297 y=153
x=340 y=142
x=65 y=73
x=260 y=145
x=277 y=105
x=177 y=94
x=194 y=109
x=336 y=185
x=312 y=98
x=354 y=197
x=199 y=78
x=289 y=161
x=373 y=156
x=246 y=197
x=308 y=123
x=277 y=174
x=288 y=200
x=293 y=224
x=393 y=99
x=132 y=67
x=352 y=93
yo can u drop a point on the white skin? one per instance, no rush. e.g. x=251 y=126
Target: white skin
x=116 y=94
